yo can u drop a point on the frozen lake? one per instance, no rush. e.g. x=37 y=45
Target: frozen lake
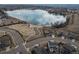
x=37 y=17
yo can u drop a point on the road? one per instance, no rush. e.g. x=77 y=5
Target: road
x=17 y=40
x=46 y=39
x=38 y=41
x=21 y=47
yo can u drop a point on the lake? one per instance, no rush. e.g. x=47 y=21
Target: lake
x=37 y=17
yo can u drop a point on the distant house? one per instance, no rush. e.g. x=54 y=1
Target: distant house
x=71 y=35
x=2 y=33
x=2 y=14
x=52 y=46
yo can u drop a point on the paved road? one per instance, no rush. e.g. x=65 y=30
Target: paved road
x=45 y=39
x=17 y=40
x=38 y=41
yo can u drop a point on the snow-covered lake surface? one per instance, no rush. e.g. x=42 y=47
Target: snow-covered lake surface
x=38 y=17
